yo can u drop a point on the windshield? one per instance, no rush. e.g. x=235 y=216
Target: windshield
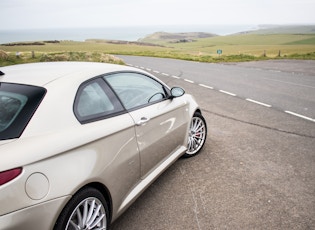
x=17 y=105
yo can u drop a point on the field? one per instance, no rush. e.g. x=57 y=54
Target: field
x=259 y=45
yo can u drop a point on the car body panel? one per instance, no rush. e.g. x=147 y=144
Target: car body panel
x=90 y=163
x=163 y=133
x=27 y=218
x=57 y=71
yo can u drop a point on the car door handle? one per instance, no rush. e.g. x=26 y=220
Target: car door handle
x=142 y=121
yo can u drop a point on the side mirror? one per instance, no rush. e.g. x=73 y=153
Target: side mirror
x=177 y=92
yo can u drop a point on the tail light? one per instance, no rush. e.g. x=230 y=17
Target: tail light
x=9 y=175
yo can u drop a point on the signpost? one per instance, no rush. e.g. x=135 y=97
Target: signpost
x=219 y=52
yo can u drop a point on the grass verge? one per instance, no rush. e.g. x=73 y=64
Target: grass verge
x=235 y=48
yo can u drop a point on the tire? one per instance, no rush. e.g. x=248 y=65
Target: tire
x=90 y=206
x=197 y=135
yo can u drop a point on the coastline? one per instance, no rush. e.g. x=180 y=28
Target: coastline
x=133 y=33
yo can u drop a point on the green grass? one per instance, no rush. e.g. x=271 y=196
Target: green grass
x=307 y=41
x=236 y=48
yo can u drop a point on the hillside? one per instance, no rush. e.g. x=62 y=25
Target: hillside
x=176 y=37
x=262 y=30
x=266 y=43
x=282 y=29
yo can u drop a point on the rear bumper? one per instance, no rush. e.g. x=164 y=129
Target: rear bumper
x=40 y=216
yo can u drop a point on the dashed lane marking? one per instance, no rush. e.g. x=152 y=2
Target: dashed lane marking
x=228 y=93
x=300 y=116
x=206 y=86
x=190 y=81
x=258 y=102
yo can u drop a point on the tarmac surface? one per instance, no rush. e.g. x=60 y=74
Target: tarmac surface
x=256 y=171
x=293 y=66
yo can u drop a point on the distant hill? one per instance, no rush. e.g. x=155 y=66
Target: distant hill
x=165 y=37
x=282 y=29
x=177 y=37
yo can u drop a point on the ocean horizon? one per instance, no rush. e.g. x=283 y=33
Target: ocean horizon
x=130 y=33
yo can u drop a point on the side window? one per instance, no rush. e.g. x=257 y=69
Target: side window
x=135 y=89
x=94 y=101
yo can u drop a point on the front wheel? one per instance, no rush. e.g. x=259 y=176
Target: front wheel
x=197 y=135
x=86 y=210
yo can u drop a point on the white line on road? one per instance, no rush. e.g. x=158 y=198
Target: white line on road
x=226 y=92
x=258 y=102
x=190 y=81
x=301 y=116
x=206 y=86
x=232 y=94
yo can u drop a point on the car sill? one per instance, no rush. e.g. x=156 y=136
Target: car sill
x=136 y=192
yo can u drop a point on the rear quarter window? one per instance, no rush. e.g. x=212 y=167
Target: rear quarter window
x=11 y=105
x=18 y=103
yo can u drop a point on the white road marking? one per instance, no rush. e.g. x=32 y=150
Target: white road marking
x=258 y=102
x=301 y=116
x=228 y=93
x=234 y=95
x=206 y=86
x=190 y=81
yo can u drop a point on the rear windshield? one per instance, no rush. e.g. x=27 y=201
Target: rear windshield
x=17 y=105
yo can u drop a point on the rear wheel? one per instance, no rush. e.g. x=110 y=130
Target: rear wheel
x=197 y=135
x=86 y=210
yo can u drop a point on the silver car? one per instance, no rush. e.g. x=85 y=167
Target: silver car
x=79 y=142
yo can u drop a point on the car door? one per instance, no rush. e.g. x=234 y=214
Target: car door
x=103 y=117
x=161 y=122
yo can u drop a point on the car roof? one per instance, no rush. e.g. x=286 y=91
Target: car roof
x=42 y=73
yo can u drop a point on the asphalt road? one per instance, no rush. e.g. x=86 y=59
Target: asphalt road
x=257 y=170
x=285 y=85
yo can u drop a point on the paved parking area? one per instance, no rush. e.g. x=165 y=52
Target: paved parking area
x=257 y=171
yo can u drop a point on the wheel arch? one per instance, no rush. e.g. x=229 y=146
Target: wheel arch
x=197 y=111
x=102 y=189
x=105 y=192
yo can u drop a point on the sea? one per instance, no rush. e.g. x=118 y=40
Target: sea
x=125 y=33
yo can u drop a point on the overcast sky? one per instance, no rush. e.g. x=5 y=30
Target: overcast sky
x=18 y=14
